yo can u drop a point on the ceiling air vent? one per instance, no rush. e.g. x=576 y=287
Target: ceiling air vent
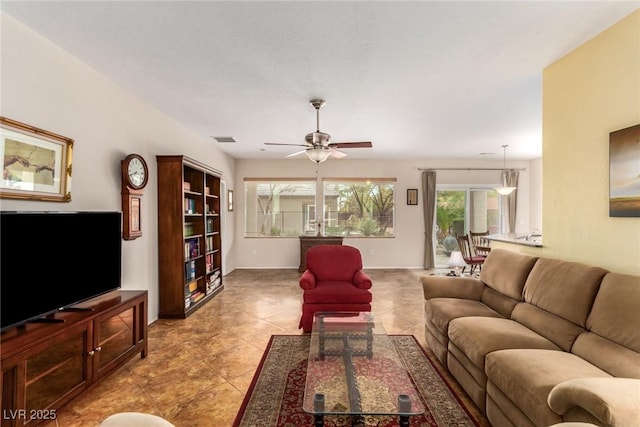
x=224 y=139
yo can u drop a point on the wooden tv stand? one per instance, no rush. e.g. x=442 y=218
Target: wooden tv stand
x=47 y=364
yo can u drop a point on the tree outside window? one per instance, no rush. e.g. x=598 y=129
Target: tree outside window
x=287 y=208
x=279 y=208
x=359 y=208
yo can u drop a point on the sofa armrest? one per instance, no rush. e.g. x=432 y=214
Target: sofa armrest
x=361 y=280
x=307 y=280
x=613 y=401
x=451 y=287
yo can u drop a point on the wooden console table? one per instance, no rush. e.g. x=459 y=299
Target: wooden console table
x=307 y=242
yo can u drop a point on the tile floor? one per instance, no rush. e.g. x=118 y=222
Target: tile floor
x=199 y=369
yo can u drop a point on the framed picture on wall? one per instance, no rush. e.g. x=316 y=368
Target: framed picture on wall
x=624 y=171
x=412 y=196
x=230 y=200
x=37 y=163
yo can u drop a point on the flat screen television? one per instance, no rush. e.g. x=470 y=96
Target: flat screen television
x=52 y=260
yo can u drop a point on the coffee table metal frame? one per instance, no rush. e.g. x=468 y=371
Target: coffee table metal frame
x=352 y=335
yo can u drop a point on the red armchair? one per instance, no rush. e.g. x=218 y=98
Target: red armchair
x=333 y=281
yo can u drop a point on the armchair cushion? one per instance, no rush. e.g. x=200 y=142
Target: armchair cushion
x=331 y=292
x=334 y=262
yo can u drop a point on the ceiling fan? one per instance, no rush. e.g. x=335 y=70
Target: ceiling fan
x=318 y=145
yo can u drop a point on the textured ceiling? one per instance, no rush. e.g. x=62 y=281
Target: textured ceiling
x=418 y=79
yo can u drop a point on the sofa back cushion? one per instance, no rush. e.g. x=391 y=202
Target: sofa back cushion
x=334 y=262
x=557 y=299
x=505 y=273
x=612 y=340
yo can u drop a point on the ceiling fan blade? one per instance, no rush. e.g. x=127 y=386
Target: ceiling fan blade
x=278 y=143
x=296 y=153
x=336 y=153
x=361 y=144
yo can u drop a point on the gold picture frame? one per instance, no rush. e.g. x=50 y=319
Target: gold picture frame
x=36 y=163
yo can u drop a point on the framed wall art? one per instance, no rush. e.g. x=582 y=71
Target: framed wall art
x=624 y=172
x=412 y=196
x=230 y=200
x=37 y=163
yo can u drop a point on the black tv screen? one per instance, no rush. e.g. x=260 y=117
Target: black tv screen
x=51 y=260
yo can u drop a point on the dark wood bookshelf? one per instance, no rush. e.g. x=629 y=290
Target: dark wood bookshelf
x=188 y=211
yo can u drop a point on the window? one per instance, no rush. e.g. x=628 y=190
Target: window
x=359 y=207
x=275 y=208
x=460 y=210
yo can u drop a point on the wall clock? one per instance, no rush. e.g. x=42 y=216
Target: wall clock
x=135 y=176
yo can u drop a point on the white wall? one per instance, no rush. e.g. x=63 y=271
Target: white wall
x=406 y=249
x=46 y=87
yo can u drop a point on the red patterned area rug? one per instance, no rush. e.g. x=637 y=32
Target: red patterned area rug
x=276 y=393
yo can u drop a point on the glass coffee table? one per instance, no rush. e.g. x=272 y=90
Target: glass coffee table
x=354 y=369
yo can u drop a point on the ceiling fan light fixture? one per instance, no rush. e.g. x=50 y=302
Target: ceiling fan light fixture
x=504 y=190
x=318 y=154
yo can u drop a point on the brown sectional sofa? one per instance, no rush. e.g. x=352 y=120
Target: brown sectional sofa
x=537 y=341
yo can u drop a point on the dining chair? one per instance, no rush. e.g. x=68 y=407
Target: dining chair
x=472 y=260
x=481 y=246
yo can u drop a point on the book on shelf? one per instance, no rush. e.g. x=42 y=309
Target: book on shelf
x=191 y=249
x=196 y=296
x=193 y=286
x=190 y=270
x=213 y=285
x=189 y=206
x=188 y=229
x=186 y=185
x=195 y=248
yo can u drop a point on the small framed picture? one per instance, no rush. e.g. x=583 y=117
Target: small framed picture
x=412 y=196
x=230 y=200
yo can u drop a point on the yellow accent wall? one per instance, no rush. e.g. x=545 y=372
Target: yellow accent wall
x=588 y=93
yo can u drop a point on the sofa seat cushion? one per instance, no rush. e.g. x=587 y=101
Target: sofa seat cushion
x=478 y=336
x=336 y=292
x=441 y=311
x=527 y=376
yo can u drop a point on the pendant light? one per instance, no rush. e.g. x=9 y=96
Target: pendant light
x=503 y=190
